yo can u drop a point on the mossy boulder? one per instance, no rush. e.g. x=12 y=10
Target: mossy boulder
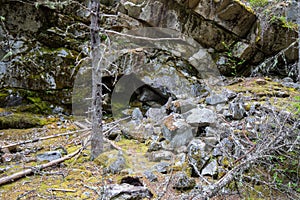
x=20 y=120
x=113 y=161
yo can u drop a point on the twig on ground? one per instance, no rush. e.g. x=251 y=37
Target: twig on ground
x=250 y=150
x=24 y=194
x=61 y=190
x=95 y=189
x=198 y=173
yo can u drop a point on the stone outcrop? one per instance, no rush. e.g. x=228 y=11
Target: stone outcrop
x=41 y=44
x=224 y=25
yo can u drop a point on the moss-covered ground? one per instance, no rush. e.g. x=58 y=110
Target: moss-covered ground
x=76 y=178
x=80 y=178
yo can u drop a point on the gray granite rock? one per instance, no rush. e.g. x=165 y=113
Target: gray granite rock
x=154 y=146
x=162 y=167
x=137 y=115
x=201 y=117
x=176 y=131
x=237 y=110
x=158 y=156
x=182 y=182
x=49 y=156
x=150 y=176
x=118 y=165
x=125 y=192
x=197 y=154
x=156 y=114
x=211 y=169
x=215 y=99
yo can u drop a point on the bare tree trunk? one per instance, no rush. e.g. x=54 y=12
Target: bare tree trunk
x=298 y=22
x=97 y=135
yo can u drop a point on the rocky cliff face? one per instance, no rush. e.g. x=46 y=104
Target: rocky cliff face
x=39 y=47
x=225 y=26
x=43 y=42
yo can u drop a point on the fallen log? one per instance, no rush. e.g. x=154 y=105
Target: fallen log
x=23 y=173
x=42 y=138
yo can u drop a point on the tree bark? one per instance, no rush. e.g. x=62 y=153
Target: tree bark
x=97 y=135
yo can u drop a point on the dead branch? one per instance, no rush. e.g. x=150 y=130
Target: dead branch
x=42 y=138
x=24 y=194
x=23 y=173
x=212 y=189
x=113 y=144
x=250 y=150
x=61 y=190
x=80 y=125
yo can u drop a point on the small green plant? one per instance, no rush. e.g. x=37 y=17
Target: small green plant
x=103 y=37
x=232 y=62
x=258 y=3
x=283 y=21
x=297 y=104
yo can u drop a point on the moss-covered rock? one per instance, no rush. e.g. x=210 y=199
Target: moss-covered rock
x=18 y=120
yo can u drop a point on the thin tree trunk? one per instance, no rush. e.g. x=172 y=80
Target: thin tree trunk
x=97 y=135
x=298 y=22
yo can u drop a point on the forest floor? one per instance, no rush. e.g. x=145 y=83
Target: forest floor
x=80 y=178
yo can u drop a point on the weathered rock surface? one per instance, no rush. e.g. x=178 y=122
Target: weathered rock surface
x=197 y=155
x=42 y=43
x=182 y=182
x=237 y=110
x=137 y=130
x=210 y=169
x=126 y=191
x=150 y=176
x=183 y=105
x=162 y=167
x=215 y=99
x=113 y=161
x=201 y=117
x=49 y=156
x=158 y=156
x=220 y=22
x=156 y=114
x=176 y=131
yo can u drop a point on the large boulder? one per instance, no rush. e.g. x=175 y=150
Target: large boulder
x=176 y=131
x=201 y=117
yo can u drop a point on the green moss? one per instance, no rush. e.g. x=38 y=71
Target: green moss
x=296 y=105
x=248 y=8
x=24 y=120
x=39 y=106
x=133 y=145
x=104 y=158
x=258 y=3
x=282 y=21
